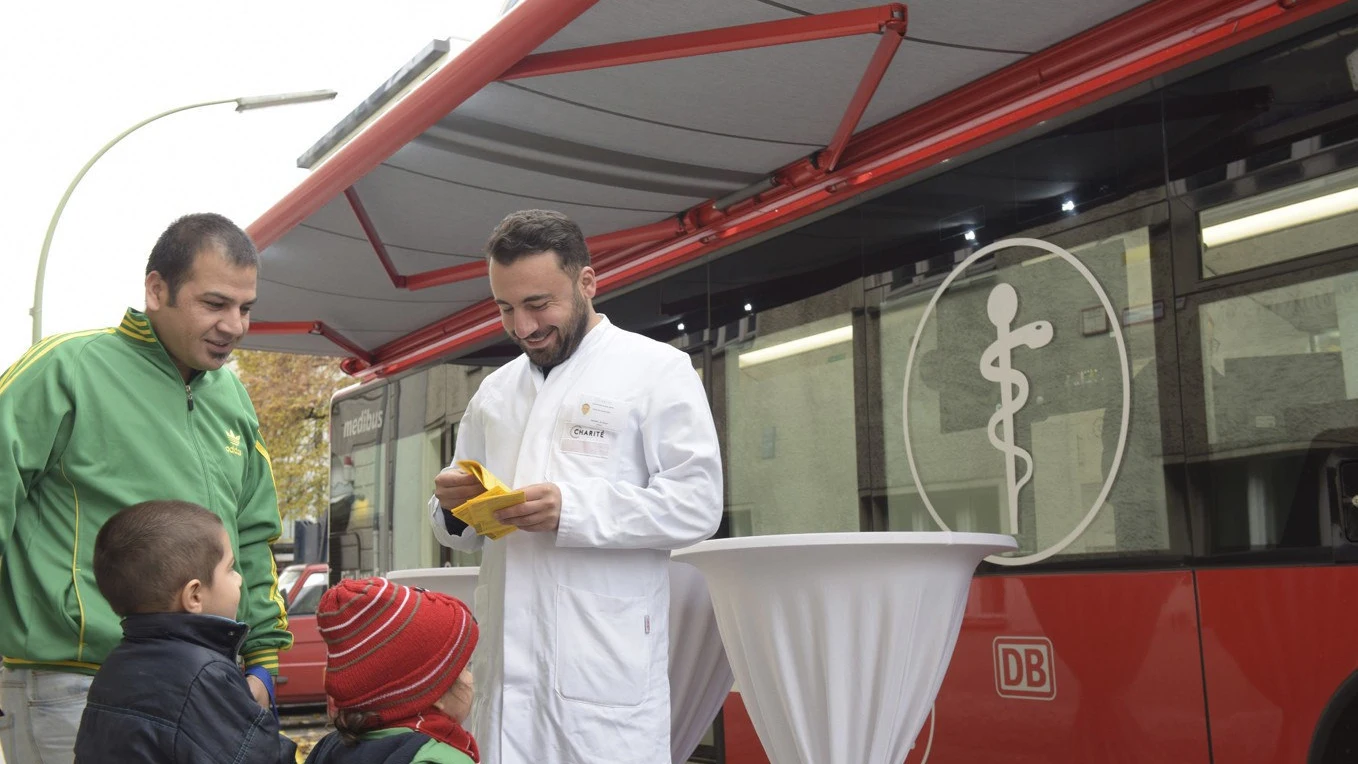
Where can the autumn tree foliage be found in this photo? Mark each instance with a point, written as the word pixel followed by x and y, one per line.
pixel 292 394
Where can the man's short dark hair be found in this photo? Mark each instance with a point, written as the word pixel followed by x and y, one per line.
pixel 146 553
pixel 530 232
pixel 175 250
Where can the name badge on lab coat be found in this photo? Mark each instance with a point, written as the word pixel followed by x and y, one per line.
pixel 599 413
pixel 592 427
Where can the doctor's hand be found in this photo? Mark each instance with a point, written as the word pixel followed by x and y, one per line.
pixel 540 510
pixel 453 487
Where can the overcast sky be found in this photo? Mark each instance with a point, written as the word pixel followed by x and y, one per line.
pixel 75 74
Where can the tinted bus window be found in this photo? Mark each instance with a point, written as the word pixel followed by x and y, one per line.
pixel 357 483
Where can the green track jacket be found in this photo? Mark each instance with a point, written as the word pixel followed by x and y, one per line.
pixel 92 422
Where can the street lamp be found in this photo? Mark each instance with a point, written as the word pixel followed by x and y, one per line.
pixel 245 103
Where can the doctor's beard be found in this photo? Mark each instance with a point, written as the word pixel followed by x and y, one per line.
pixel 568 336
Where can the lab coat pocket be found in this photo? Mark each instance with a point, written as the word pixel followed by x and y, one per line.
pixel 603 647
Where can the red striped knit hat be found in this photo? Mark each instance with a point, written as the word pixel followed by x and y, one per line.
pixel 393 650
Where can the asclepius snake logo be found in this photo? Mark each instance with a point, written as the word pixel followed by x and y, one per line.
pixel 996 365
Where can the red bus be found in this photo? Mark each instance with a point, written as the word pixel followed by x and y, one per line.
pixel 1086 274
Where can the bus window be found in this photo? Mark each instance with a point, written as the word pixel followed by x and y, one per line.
pixel 1279 391
pixel 783 375
pixel 357 483
pixel 790 404
pixel 417 459
pixel 1298 220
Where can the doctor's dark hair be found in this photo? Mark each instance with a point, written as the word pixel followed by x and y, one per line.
pixel 145 554
pixel 530 232
pixel 179 245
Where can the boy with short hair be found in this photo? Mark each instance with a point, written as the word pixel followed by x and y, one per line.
pixel 172 691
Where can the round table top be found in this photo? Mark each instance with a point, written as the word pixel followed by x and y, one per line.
pixel 396 575
pixel 852 539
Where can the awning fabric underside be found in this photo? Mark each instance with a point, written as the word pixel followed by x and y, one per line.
pixel 639 152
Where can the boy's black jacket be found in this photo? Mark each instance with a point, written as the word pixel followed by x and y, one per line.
pixel 171 692
pixel 397 749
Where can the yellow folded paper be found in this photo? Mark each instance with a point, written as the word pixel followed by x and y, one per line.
pixel 479 512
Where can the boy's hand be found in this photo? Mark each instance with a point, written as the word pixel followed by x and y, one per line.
pixel 453 487
pixel 540 510
pixel 258 690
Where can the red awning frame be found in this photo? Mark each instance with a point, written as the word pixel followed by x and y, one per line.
pixel 1157 37
pixel 313 327
pixel 887 20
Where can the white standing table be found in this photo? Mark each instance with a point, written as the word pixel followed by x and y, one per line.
pixel 456 582
pixel 839 641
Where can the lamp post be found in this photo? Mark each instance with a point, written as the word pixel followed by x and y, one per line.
pixel 245 103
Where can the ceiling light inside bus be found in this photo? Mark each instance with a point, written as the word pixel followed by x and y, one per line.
pixel 681 327
pixel 969 236
pixel 796 347
pixel 1281 218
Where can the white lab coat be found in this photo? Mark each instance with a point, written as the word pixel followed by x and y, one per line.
pixel 572 663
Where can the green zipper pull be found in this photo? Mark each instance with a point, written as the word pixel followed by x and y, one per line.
pixel 189 390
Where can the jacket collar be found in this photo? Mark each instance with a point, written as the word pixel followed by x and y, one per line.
pixel 136 330
pixel 593 340
pixel 222 635
pixel 593 337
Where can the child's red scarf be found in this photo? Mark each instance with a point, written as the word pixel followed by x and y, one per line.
pixel 442 728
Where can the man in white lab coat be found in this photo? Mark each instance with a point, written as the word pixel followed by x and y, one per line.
pixel 610 437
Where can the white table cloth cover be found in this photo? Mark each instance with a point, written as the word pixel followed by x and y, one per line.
pixel 457 582
pixel 839 642
pixel 700 675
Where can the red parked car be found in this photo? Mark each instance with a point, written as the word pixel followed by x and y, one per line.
pixel 301 670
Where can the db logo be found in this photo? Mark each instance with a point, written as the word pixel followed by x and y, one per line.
pixel 1024 668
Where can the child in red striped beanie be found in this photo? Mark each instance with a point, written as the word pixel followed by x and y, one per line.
pixel 396 671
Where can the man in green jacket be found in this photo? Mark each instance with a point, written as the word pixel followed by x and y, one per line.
pixel 95 421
